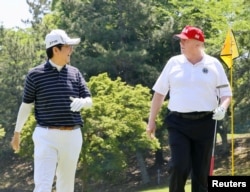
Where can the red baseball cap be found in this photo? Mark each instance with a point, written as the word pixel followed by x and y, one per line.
pixel 190 32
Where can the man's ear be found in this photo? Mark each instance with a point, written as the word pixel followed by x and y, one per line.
pixel 55 50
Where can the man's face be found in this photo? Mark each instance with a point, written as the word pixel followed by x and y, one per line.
pixel 188 45
pixel 62 57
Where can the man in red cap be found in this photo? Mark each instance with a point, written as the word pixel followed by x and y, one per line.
pixel 195 82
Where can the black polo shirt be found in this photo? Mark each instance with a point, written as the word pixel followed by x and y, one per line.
pixel 50 90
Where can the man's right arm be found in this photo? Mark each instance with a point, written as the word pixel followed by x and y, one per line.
pixel 156 104
pixel 23 114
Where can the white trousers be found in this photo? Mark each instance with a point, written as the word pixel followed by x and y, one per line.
pixel 56 152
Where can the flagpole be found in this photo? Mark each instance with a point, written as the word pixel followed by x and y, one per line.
pixel 232 118
pixel 228 53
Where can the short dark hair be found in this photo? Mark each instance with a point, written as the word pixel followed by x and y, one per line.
pixel 49 51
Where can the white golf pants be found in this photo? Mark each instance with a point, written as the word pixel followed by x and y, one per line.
pixel 56 152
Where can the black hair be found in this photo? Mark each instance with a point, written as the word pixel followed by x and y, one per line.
pixel 49 51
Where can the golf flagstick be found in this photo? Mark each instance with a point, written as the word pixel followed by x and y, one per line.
pixel 214 141
pixel 212 157
pixel 215 132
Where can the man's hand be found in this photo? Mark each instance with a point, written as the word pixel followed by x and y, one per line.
pixel 151 130
pixel 78 103
pixel 15 142
pixel 219 113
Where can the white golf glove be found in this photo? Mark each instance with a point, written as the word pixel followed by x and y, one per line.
pixel 78 103
pixel 219 113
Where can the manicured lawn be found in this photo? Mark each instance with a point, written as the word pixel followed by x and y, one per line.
pixel 234 136
pixel 165 189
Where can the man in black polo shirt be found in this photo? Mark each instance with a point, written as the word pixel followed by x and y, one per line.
pixel 59 92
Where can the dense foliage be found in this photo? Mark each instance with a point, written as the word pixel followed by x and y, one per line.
pixel 124 46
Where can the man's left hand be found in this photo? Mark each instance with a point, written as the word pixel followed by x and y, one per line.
pixel 78 103
pixel 219 113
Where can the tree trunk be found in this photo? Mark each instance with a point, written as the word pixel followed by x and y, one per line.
pixel 142 167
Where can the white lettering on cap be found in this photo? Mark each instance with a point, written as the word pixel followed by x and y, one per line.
pixel 197 36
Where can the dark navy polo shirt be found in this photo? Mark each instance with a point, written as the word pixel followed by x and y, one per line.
pixel 50 90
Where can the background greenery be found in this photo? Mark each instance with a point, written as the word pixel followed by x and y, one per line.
pixel 125 45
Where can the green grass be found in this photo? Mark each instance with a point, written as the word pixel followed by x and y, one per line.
pixel 234 136
pixel 165 189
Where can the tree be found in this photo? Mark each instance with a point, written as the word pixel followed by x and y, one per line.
pixel 241 75
pixel 17 55
pixel 117 37
pixel 127 39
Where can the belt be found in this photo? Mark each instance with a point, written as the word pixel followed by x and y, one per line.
pixel 192 115
pixel 67 128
